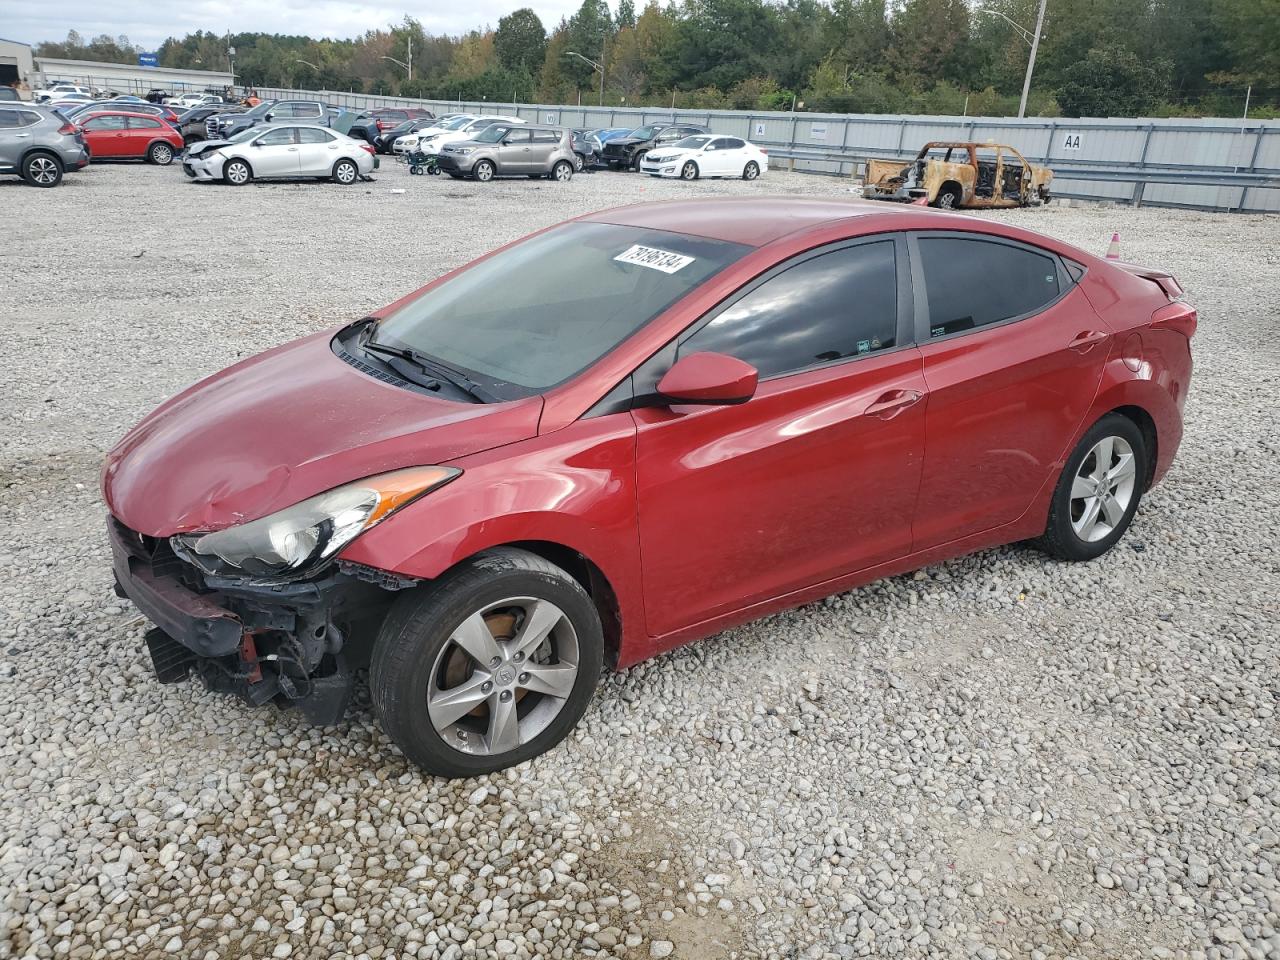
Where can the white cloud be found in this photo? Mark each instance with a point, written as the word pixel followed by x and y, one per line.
pixel 148 24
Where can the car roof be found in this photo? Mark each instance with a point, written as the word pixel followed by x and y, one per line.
pixel 751 221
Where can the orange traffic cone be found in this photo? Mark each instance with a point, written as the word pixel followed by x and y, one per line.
pixel 1113 249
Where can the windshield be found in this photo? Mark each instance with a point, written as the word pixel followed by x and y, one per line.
pixel 261 108
pixel 245 134
pixel 691 143
pixel 536 314
pixel 456 122
pixel 643 133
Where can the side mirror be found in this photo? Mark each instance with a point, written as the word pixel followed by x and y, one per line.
pixel 713 379
pixel 269 117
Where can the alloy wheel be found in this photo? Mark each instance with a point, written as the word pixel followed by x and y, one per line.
pixel 503 677
pixel 161 154
pixel 43 171
pixel 563 172
pixel 1103 489
pixel 751 172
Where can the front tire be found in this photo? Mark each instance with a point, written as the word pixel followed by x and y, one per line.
pixel 488 666
pixel 42 170
pixel 237 173
pixel 638 159
pixel 689 171
pixel 161 154
pixel 346 172
pixel 1098 492
pixel 483 171
pixel 948 199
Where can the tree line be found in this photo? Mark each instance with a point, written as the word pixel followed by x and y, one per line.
pixel 1095 58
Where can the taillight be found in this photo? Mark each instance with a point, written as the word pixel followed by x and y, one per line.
pixel 67 128
pixel 367 148
pixel 1179 317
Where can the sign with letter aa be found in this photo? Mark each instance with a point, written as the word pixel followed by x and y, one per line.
pixel 1072 141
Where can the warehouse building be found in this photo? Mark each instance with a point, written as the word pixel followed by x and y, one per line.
pixel 16 65
pixel 129 77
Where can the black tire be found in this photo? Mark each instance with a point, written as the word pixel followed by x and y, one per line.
pixel 689 171
pixel 346 172
pixel 751 171
pixel 161 154
pixel 638 159
pixel 418 629
pixel 579 162
pixel 562 172
pixel 1060 538
pixel 41 169
pixel 483 170
pixel 948 198
pixel 237 172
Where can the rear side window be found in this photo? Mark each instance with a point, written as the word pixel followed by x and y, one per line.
pixel 143 123
pixel 9 119
pixel 829 307
pixel 546 136
pixel 974 283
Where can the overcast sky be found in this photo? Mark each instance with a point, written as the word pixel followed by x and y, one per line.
pixel 148 23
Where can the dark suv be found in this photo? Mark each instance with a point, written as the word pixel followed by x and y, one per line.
pixel 628 151
pixel 221 126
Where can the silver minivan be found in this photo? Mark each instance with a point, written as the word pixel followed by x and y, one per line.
pixel 38 144
pixel 511 151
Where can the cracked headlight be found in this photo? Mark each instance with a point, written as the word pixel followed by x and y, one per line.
pixel 299 540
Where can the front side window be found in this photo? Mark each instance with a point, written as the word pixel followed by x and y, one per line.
pixel 540 312
pixel 105 123
pixel 974 283
pixel 692 143
pixel 732 143
pixel 280 137
pixel 830 307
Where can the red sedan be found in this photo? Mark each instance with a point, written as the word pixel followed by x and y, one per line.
pixel 628 431
pixel 121 135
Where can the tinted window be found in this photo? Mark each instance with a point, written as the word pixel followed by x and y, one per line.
pixel 516 136
pixel 545 136
pixel 539 312
pixel 732 143
pixel 143 123
pixel 105 123
pixel 278 137
pixel 972 283
pixel 8 118
pixel 314 135
pixel 27 117
pixel 835 305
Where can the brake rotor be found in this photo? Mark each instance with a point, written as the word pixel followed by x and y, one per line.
pixel 458 667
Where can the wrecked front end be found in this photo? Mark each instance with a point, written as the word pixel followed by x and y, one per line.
pixel 292 644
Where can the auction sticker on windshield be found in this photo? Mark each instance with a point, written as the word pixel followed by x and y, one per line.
pixel 654 258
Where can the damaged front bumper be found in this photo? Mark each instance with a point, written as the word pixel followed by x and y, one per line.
pixel 293 644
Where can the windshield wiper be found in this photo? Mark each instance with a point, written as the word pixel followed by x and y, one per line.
pixel 434 368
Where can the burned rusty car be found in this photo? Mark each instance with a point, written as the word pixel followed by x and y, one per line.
pixel 955 175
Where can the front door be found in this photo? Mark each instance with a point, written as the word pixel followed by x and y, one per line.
pixel 515 152
pixel 814 477
pixel 107 137
pixel 275 153
pixel 1013 355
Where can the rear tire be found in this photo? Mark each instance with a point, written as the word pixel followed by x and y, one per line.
pixel 751 171
pixel 42 170
pixel 346 172
pixel 1098 492
pixel 425 652
pixel 161 154
pixel 562 171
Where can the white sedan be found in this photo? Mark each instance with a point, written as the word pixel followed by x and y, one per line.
pixel 280 150
pixel 429 142
pixel 410 141
pixel 706 155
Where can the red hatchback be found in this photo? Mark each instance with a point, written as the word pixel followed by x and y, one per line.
pixel 121 135
pixel 628 431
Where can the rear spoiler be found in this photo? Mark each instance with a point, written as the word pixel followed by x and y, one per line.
pixel 1165 281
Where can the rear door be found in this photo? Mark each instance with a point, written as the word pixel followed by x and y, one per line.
pixel 318 151
pixel 107 136
pixel 815 476
pixel 543 144
pixel 275 153
pixel 1013 355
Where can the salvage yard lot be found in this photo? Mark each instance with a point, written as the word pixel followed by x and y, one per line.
pixel 998 755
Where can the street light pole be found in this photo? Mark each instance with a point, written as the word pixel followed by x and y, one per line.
pixel 408 66
pixel 1031 61
pixel 594 66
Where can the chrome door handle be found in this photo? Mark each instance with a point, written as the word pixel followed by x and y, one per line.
pixel 1085 339
pixel 892 403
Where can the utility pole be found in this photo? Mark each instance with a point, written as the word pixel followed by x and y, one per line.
pixel 1031 61
pixel 411 53
pixel 604 43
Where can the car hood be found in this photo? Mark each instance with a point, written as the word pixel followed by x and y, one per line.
pixel 204 146
pixel 284 426
pixel 625 141
pixel 670 152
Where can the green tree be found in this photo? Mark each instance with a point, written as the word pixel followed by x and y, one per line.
pixel 1113 82
pixel 520 40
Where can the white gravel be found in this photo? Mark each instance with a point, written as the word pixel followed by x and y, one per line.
pixel 997 757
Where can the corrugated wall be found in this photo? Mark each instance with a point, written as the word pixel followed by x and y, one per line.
pixel 1214 164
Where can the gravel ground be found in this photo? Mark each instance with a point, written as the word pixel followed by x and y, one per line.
pixel 1001 756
